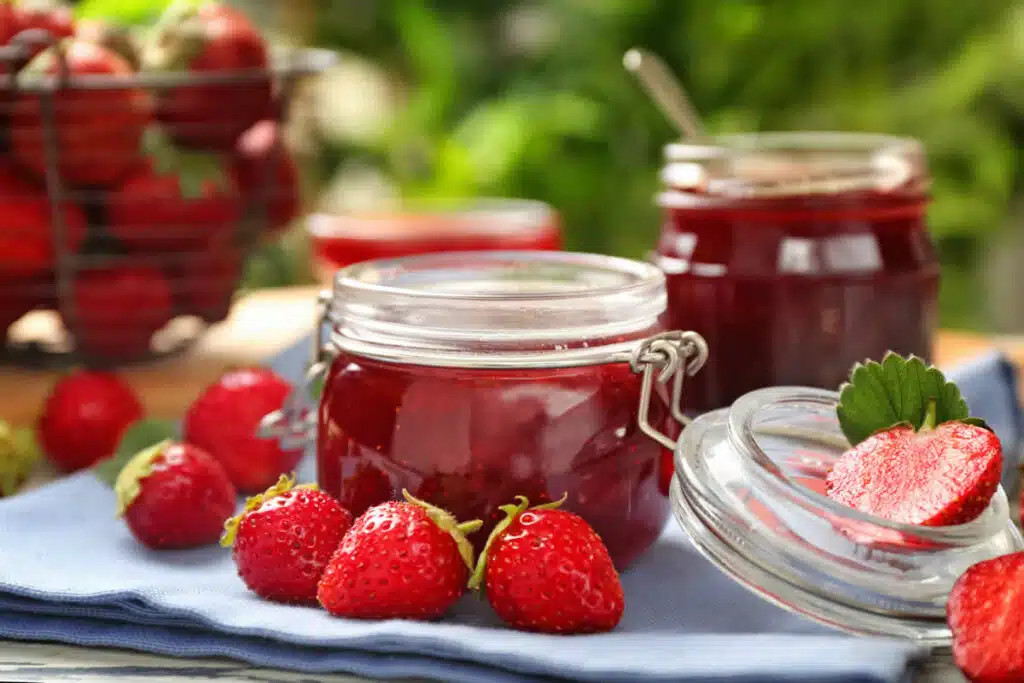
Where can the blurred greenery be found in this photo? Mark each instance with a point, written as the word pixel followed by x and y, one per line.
pixel 549 113
pixel 521 98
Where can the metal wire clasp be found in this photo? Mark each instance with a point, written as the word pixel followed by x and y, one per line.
pixel 294 425
pixel 673 355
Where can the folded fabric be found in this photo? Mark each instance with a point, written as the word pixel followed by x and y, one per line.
pixel 70 572
pixel 80 578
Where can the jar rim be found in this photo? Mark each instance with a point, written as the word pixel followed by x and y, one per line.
pixel 794 164
pixel 473 216
pixel 366 276
pixel 495 308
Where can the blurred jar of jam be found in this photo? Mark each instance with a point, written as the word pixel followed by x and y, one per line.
pixel 424 227
pixel 796 255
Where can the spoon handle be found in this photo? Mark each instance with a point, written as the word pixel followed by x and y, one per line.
pixel 665 90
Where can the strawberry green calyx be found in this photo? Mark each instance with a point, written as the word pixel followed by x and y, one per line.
pixel 284 484
pixel 511 513
pixel 19 454
pixel 176 38
pixel 447 522
pixel 192 169
pixel 129 480
pixel 44 62
pixel 898 392
pixel 138 436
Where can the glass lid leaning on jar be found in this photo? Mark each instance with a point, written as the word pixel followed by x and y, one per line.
pixel 796 255
pixel 470 378
pixel 749 490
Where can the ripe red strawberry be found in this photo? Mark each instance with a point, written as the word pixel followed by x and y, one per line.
pixel 937 476
pixel 54 16
pixel 174 201
pixel 98 130
pixel 10 22
pixel 28 242
pixel 284 539
pixel 209 38
pixel 400 560
pixel 118 309
pixel 174 495
pixel 84 417
pixel 984 614
pixel 546 570
pixel 224 419
pixel 205 280
pixel 112 36
pixel 10 26
pixel 267 173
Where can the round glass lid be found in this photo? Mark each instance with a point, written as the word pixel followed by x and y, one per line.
pixel 749 491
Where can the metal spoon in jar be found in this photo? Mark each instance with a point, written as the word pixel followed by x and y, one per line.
pixel 755 175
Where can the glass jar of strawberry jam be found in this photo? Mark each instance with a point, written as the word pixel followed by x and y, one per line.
pixel 796 255
pixel 471 378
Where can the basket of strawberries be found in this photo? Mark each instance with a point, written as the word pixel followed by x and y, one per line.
pixel 137 172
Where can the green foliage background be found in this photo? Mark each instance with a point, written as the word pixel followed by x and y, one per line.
pixel 556 118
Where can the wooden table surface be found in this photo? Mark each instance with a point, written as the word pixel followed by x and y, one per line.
pixel 261 324
pixel 266 322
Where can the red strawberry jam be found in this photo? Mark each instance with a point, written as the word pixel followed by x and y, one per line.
pixel 471 440
pixel 471 436
pixel 795 272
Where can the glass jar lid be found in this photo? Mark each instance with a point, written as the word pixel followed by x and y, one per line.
pixel 494 308
pixel 749 491
pixel 796 164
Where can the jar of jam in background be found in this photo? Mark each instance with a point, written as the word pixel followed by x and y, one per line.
pixel 472 378
pixel 407 228
pixel 796 255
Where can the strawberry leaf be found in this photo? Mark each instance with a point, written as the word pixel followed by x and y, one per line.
pixel 139 436
pixel 192 169
pixel 898 390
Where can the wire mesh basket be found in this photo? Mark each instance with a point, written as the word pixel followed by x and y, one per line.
pixel 130 201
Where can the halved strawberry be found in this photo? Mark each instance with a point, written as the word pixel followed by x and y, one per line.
pixel 918 458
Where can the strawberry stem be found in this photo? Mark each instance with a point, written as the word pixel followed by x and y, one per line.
pixel 175 39
pixel 192 169
pixel 930 416
pixel 476 580
pixel 448 523
pixel 285 483
pixel 129 480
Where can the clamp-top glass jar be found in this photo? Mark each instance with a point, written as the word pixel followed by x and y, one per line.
pixel 796 255
pixel 471 378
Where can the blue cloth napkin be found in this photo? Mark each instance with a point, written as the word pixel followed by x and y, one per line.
pixel 70 572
